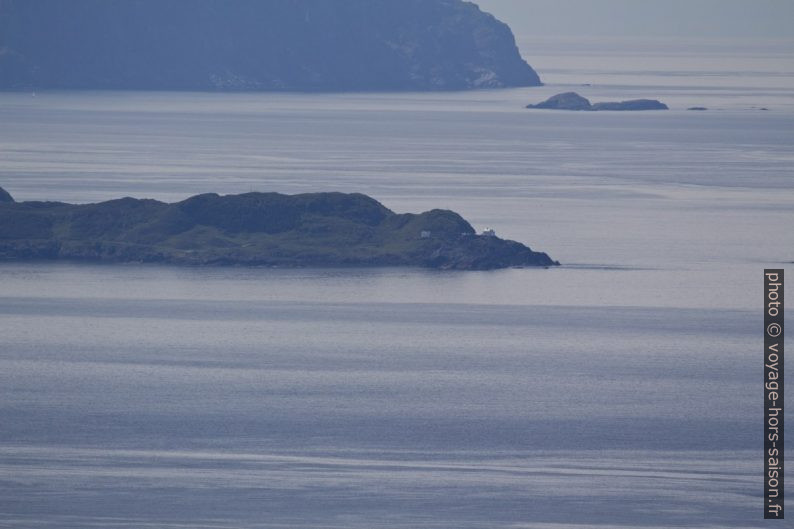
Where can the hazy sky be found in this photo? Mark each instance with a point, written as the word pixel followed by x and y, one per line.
pixel 687 18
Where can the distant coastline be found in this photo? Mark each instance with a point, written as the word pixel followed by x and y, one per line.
pixel 296 45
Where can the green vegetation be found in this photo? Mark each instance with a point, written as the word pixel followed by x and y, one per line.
pixel 316 229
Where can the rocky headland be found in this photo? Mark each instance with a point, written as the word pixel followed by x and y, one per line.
pixel 264 229
pixel 254 45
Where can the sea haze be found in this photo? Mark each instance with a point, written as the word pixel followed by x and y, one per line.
pixel 621 389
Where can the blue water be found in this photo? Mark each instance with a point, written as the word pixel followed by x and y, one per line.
pixel 619 390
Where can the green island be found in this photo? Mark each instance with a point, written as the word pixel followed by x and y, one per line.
pixel 257 229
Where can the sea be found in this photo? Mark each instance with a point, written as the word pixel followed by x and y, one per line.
pixel 622 389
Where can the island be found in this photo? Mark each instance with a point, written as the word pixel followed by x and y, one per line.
pixel 254 45
pixel 573 101
pixel 263 229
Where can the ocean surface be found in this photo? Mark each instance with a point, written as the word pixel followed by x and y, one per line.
pixel 622 389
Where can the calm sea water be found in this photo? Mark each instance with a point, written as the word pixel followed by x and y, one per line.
pixel 620 390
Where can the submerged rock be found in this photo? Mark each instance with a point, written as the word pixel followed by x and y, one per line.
pixel 271 229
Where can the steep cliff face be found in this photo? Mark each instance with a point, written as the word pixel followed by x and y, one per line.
pixel 5 196
pixel 302 45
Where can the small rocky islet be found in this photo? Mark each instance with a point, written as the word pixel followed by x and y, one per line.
pixel 574 101
pixel 257 229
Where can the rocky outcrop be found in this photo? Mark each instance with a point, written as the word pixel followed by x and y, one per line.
pixel 631 105
pixel 5 196
pixel 316 229
pixel 573 101
pixel 565 101
pixel 285 45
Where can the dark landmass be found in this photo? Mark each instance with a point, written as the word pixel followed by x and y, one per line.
pixel 631 105
pixel 5 196
pixel 566 101
pixel 276 45
pixel 701 109
pixel 269 229
pixel 573 101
